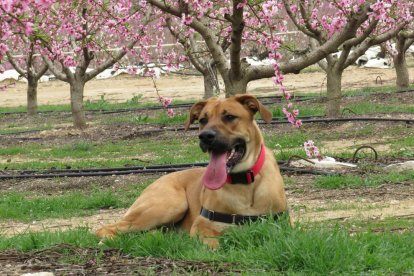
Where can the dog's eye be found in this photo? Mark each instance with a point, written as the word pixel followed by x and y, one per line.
pixel 203 121
pixel 229 118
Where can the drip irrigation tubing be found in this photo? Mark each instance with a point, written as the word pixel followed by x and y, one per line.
pixel 275 121
pixel 134 170
pixel 267 100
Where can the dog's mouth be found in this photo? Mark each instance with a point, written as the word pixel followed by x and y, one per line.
pixel 235 156
pixel 221 163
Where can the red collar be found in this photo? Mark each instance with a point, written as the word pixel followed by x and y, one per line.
pixel 247 177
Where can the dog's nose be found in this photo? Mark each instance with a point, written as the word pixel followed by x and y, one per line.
pixel 207 136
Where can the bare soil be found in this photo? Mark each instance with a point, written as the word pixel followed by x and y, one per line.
pixel 92 261
pixel 122 88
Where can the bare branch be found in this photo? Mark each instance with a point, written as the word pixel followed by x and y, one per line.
pixel 363 47
pixel 323 64
pixel 363 36
pixel 19 70
pixel 41 72
pixel 58 73
pixel 109 62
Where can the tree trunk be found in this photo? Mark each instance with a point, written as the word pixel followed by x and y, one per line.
pixel 334 93
pixel 76 102
pixel 234 87
pixel 400 64
pixel 208 86
pixel 31 95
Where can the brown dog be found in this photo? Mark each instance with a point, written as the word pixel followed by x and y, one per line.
pixel 241 183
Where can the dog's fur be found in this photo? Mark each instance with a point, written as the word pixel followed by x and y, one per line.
pixel 177 198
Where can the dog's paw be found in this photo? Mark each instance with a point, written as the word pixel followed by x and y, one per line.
pixel 105 233
pixel 212 243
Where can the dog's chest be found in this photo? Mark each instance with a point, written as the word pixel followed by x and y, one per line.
pixel 235 199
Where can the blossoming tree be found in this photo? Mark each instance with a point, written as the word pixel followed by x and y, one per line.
pixel 238 22
pixel 28 64
pixel 75 35
pixel 403 40
pixel 384 20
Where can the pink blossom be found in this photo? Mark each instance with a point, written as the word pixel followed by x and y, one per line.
pixel 186 19
pixel 312 150
pixel 170 112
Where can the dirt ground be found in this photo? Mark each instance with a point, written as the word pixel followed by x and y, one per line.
pixel 123 88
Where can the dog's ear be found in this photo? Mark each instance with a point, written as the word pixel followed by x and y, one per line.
pixel 253 105
pixel 194 113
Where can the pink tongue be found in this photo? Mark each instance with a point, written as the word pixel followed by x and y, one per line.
pixel 215 176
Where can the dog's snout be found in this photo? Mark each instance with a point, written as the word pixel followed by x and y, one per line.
pixel 207 136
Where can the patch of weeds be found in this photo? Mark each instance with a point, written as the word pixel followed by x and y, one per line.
pixel 141 118
pixel 369 107
pixel 304 111
pixel 12 150
pixel 286 140
pixel 135 100
pixel 288 181
pixel 316 250
pixel 20 206
pixel 100 104
pixel 404 142
pixel 305 249
pixel 80 236
pixel 354 181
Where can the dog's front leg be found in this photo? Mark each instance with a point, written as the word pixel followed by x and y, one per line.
pixel 207 231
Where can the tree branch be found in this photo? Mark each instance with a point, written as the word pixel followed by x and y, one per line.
pixel 237 25
pixel 330 46
pixel 310 33
pixel 188 45
pixel 363 47
pixel 203 29
pixel 41 72
pixel 109 62
pixel 19 70
pixel 357 40
pixel 58 74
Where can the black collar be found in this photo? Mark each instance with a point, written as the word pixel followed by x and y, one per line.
pixel 234 218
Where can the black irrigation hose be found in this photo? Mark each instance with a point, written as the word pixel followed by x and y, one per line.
pixel 135 170
pixel 154 167
pixel 330 120
pixel 275 121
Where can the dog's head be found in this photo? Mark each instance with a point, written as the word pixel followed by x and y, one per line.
pixel 229 134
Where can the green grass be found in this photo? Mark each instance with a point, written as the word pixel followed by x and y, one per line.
pixel 23 207
pixel 404 142
pixel 141 151
pixel 16 129
pixel 355 181
pixel 160 118
pixel 369 107
pixel 372 90
pixel 271 247
pixel 101 104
